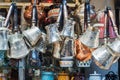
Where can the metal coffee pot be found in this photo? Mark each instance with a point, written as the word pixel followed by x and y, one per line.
pixel 33 35
pixel 5 31
pixel 18 48
pixel 53 34
pixel 95 76
pixel 103 57
pixel 90 37
pixel 67 53
pixel 68 48
pixel 68 29
pixel 115 45
pixel 41 45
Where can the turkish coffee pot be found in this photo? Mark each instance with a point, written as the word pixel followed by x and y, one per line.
pixel 4 31
pixel 90 37
pixel 40 11
pixel 115 45
pixel 33 34
pixel 103 56
pixel 18 47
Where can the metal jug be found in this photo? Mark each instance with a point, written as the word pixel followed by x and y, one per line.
pixel 90 37
pixel 115 45
pixel 95 76
pixel 53 34
pixel 68 29
pixel 67 53
pixel 33 35
pixel 41 45
pixel 18 48
pixel 103 57
pixel 5 31
pixel 68 48
pixel 63 76
pixel 56 50
pixel 45 75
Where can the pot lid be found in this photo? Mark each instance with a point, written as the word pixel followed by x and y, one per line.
pixel 95 74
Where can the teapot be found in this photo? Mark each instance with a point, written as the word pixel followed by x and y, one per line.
pixel 95 76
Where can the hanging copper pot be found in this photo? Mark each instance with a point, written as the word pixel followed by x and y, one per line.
pixel 40 11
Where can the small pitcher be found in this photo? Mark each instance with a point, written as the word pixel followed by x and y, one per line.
pixel 4 31
pixel 33 35
pixel 18 48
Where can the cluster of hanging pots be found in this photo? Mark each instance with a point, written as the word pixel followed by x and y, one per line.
pixel 78 39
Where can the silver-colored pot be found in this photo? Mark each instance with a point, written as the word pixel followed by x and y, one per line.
pixel 90 37
pixel 53 34
pixel 33 35
pixel 115 46
pixel 18 48
pixel 68 29
pixel 103 57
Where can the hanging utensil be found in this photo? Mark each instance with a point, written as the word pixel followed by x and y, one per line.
pixel 53 34
pixel 90 37
pixel 18 48
pixel 103 56
pixel 33 35
pixel 68 27
pixel 67 53
pixel 4 31
pixel 115 45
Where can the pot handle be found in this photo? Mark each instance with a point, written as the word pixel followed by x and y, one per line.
pixel 9 14
pixel 15 19
pixel 34 14
pixel 112 22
